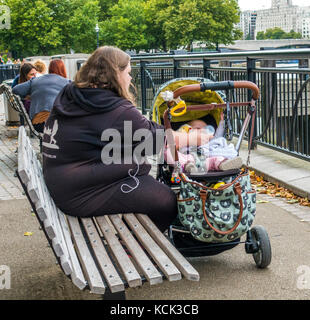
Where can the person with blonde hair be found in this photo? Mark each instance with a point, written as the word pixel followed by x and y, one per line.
pixel 41 67
pixel 43 92
pixel 80 178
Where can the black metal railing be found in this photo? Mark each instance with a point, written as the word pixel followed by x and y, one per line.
pixel 8 71
pixel 283 108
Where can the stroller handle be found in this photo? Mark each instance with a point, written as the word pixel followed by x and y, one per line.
pixel 222 85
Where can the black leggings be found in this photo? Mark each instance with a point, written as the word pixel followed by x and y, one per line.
pixel 151 197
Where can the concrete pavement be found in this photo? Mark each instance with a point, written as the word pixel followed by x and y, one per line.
pixel 230 275
pixel 277 167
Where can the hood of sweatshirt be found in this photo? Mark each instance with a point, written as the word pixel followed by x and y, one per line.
pixel 75 102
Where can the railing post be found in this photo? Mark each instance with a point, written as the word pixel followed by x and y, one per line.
pixel 251 64
pixel 176 68
pixel 303 63
pixel 206 66
pixel 143 86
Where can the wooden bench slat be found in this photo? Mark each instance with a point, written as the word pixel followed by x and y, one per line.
pixel 21 161
pixel 66 265
pixel 77 275
pixel 68 258
pixel 180 261
pixel 142 260
pixel 110 274
pixel 91 272
pixel 129 271
pixel 158 255
pixel 48 210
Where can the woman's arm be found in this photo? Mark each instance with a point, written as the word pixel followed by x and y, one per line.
pixel 23 89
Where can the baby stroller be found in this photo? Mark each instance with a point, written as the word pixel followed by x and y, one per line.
pixel 178 102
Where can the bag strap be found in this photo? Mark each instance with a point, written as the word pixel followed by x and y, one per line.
pixel 203 197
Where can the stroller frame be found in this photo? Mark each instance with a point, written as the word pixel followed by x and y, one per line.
pixel 257 241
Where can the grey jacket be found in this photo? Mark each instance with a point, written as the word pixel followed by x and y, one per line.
pixel 42 90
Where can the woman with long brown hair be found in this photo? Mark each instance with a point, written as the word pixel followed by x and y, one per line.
pixel 87 172
pixel 27 71
pixel 43 91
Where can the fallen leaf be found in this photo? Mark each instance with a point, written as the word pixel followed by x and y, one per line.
pixel 264 187
pixel 262 201
pixel 262 191
pixel 292 201
pixel 28 233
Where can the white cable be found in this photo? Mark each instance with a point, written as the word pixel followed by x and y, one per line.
pixel 134 178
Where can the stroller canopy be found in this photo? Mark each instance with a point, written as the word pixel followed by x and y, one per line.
pixel 194 98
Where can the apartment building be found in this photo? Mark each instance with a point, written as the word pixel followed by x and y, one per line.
pixel 282 14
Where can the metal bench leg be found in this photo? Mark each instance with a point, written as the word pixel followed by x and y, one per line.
pixel 114 296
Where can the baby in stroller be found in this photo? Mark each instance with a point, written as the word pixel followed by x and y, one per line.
pixel 216 155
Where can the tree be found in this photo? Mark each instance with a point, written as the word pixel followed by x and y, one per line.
pixel 277 33
pixel 51 26
pixel 81 25
pixel 260 35
pixel 33 29
pixel 155 16
pixel 182 22
pixel 104 6
pixel 126 27
pixel 293 35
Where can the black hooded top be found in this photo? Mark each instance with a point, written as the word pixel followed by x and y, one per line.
pixel 74 164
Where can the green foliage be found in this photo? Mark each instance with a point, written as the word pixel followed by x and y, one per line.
pixel 277 33
pixel 33 28
pixel 126 27
pixel 175 23
pixel 81 25
pixel 46 27
pixel 104 6
pixel 260 35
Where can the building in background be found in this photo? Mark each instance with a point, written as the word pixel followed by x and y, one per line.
pixel 306 26
pixel 282 14
pixel 247 24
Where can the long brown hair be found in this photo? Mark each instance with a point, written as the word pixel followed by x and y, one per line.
pixel 24 70
pixel 101 70
pixel 57 66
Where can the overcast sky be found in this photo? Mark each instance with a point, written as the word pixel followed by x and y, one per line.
pixel 265 4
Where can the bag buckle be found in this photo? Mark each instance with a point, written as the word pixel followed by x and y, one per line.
pixel 237 188
pixel 203 194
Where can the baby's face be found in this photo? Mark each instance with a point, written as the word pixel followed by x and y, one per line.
pixel 197 124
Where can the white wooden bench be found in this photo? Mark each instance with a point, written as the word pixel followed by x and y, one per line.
pixel 105 254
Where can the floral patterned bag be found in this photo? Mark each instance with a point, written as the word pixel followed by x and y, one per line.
pixel 217 215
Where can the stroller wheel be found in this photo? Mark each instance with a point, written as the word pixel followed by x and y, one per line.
pixel 262 257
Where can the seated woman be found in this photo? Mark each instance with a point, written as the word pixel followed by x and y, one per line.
pixel 27 71
pixel 82 176
pixel 43 92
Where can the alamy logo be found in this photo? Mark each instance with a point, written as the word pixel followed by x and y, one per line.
pixel 5 17
pixel 303 281
pixel 5 277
